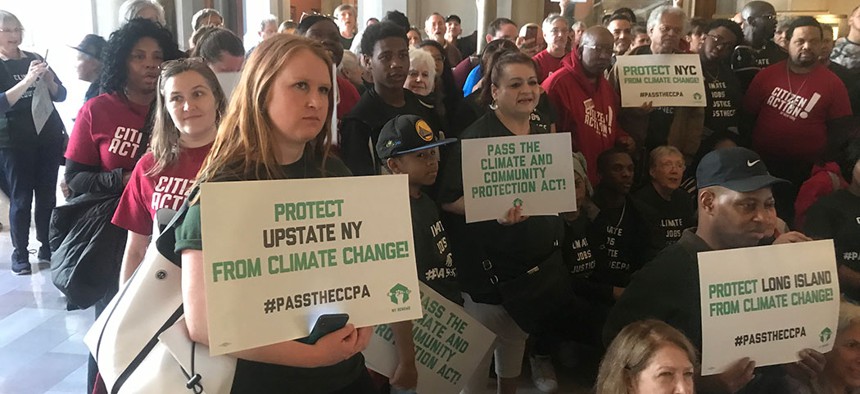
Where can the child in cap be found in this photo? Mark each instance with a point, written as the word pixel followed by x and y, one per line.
pixel 407 145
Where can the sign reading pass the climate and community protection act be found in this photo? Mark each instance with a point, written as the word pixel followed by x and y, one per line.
pixel 533 171
pixel 277 254
pixel 664 80
pixel 449 345
pixel 767 303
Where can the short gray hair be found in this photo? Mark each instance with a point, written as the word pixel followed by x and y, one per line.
pixel 420 57
pixel 350 60
pixel 267 20
pixel 6 16
pixel 130 9
pixel 849 315
pixel 550 19
pixel 662 10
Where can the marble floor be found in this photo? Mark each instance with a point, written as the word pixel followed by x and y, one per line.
pixel 41 344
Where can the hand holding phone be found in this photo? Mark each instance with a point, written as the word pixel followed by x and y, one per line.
pixel 326 324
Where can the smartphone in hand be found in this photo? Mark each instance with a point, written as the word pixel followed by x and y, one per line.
pixel 326 324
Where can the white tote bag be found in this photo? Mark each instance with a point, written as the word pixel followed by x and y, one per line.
pixel 125 339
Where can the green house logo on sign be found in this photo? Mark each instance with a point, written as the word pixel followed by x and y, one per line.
pixel 825 334
pixel 399 294
pixel 697 96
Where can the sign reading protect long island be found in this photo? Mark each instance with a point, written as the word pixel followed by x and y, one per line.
pixel 767 303
pixel 532 171
pixel 278 254
pixel 663 80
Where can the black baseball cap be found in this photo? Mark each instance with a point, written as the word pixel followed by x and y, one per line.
pixel 406 134
pixel 453 17
pixel 92 46
pixel 737 168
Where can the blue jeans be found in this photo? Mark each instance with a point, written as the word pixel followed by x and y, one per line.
pixel 25 173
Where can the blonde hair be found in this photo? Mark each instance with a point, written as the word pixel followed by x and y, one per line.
pixel 165 136
pixel 244 146
pixel 663 150
pixel 631 352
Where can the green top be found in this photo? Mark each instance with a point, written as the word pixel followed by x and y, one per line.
pixel 256 377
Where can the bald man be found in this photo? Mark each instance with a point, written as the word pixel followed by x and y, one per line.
pixel 435 29
pixel 585 101
pixel 758 50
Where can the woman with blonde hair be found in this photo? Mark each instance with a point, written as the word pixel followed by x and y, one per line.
pixel 276 127
pixel 189 105
pixel 647 357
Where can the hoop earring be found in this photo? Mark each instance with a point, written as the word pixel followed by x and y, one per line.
pixel 493 105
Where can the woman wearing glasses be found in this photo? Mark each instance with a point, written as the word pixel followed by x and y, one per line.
pixel 189 105
pixel 277 127
pixel 109 136
pixel 30 153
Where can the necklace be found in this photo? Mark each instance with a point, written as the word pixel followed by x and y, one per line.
pixel 714 78
pixel 788 77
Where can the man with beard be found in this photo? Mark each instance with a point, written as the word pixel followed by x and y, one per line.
pixel 386 52
pixel 758 50
pixel 793 101
pixel 736 210
pixel 585 102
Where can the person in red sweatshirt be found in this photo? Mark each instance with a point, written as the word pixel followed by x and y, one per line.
pixel 585 101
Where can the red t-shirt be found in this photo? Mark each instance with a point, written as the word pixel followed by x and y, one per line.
pixel 547 64
pixel 144 195
pixel 107 133
pixel 791 122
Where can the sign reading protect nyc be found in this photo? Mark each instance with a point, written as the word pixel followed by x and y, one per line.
pixel 277 254
pixel 767 303
pixel 664 80
pixel 533 171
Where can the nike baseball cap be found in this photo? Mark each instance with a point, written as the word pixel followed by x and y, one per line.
pixel 406 134
pixel 738 169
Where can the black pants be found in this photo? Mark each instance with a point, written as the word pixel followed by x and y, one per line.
pixel 29 172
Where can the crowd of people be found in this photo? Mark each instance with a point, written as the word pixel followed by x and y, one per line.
pixel 773 157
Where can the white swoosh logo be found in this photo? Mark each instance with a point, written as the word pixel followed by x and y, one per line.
pixel 752 163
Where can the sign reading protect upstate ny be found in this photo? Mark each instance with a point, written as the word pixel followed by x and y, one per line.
pixel 533 171
pixel 277 254
pixel 449 345
pixel 665 80
pixel 767 303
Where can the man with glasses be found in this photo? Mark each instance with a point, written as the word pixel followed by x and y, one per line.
pixel 758 50
pixel 585 101
pixel 722 88
pixel 555 31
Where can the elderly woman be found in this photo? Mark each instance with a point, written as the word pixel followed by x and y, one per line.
pixel 146 9
pixel 422 73
pixel 648 356
pixel 30 153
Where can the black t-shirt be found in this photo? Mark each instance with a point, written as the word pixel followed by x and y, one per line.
pixel 346 42
pixel 580 256
pixel 257 377
pixel 513 249
pixel 723 93
pixel 622 240
pixel 432 252
pixel 837 216
pixel 748 61
pixel 360 129
pixel 666 219
pixel 471 109
pixel 20 130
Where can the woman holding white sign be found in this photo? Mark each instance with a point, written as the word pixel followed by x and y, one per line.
pixel 277 127
pixel 492 255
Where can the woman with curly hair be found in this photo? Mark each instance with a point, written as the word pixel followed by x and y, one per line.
pixel 109 137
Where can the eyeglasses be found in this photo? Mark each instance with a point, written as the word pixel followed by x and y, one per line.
pixel 770 17
pixel 718 40
pixel 601 49
pixel 15 30
pixel 666 29
pixel 311 13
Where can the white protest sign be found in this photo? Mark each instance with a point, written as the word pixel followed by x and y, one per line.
pixel 449 344
pixel 42 107
pixel 767 303
pixel 535 171
pixel 665 80
pixel 277 254
pixel 228 82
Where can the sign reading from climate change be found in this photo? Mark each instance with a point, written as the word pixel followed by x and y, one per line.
pixel 767 303
pixel 533 171
pixel 664 80
pixel 449 344
pixel 277 254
